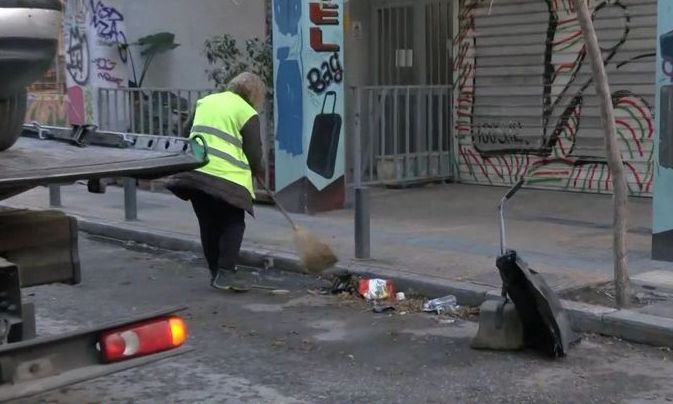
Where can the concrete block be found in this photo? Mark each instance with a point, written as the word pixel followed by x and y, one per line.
pixel 498 331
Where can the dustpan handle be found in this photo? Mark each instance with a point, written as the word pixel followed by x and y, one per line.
pixel 501 210
pixel 515 188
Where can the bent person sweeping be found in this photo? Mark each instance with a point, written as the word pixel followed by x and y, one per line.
pixel 222 191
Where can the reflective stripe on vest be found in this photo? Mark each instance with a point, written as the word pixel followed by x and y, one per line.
pixel 219 119
pixel 229 158
pixel 216 132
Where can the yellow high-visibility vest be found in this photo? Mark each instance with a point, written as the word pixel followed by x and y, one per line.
pixel 219 119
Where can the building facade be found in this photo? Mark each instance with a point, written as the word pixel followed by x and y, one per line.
pixel 92 53
pixel 521 85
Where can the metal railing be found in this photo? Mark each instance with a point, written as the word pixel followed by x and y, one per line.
pixel 166 112
pixel 151 111
pixel 402 134
pixel 161 112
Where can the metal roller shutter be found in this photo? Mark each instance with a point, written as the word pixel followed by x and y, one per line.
pixel 525 100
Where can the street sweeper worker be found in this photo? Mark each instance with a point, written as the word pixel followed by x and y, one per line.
pixel 222 190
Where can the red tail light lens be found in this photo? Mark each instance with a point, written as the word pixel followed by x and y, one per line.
pixel 143 339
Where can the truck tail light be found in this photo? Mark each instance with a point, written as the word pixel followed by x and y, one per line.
pixel 141 339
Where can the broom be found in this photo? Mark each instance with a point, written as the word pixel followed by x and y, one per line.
pixel 316 256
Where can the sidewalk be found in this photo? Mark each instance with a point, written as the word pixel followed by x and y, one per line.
pixel 447 232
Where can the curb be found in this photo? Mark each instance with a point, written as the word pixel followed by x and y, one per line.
pixel 625 324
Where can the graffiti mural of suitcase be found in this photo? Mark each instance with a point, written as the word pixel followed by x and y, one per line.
pixel 322 152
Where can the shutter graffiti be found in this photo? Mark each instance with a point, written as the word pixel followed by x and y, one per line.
pixel 525 102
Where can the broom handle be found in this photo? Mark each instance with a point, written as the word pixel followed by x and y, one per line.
pixel 278 205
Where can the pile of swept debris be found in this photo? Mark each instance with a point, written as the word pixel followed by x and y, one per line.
pixel 381 296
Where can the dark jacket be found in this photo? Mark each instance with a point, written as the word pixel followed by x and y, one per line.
pixel 186 185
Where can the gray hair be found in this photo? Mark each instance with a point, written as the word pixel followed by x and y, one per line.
pixel 250 87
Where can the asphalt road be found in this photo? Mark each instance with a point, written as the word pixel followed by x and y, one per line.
pixel 302 347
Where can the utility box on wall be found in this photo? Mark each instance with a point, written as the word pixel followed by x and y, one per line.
pixel 666 127
pixel 662 211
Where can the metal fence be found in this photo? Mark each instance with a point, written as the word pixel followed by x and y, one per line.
pixel 166 112
pixel 402 134
pixel 149 111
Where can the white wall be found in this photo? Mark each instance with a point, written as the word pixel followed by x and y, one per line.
pixel 192 22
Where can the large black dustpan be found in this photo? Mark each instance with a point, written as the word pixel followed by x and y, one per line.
pixel 545 324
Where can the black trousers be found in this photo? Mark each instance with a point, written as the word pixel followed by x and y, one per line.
pixel 222 226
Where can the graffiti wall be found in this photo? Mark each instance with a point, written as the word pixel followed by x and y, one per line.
pixel 525 99
pixel 46 100
pixel 662 214
pixel 309 105
pixel 47 109
pixel 96 54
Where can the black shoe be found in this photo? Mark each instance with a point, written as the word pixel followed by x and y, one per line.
pixel 226 271
pixel 221 280
pixel 227 280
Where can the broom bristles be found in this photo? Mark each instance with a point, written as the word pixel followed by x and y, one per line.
pixel 316 256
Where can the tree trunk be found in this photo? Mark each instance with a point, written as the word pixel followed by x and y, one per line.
pixel 615 164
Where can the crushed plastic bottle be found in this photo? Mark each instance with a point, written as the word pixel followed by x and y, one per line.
pixel 441 304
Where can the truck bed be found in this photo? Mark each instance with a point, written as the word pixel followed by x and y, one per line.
pixel 52 156
pixel 40 248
